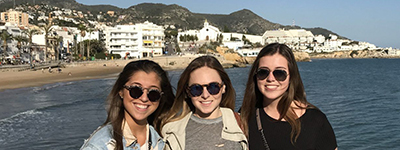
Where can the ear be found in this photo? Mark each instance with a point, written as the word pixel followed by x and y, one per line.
pixel 223 89
pixel 121 94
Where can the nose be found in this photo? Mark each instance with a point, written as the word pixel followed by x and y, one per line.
pixel 144 97
pixel 205 93
pixel 271 77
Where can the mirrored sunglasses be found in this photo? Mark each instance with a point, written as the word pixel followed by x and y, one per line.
pixel 279 75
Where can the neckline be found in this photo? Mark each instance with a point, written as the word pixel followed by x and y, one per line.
pixel 263 112
pixel 205 121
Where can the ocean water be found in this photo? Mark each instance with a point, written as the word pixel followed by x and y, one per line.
pixel 361 98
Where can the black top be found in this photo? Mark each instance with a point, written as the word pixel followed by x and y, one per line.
pixel 316 132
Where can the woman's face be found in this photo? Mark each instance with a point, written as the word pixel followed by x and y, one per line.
pixel 271 87
pixel 206 104
pixel 140 108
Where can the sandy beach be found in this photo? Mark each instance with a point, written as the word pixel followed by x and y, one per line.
pixel 12 79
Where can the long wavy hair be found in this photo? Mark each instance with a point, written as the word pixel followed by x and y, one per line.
pixel 115 106
pixel 183 104
pixel 253 98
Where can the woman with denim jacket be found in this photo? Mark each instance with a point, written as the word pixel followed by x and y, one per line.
pixel 138 101
pixel 202 115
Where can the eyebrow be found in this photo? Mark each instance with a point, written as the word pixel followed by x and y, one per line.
pixel 270 69
pixel 152 86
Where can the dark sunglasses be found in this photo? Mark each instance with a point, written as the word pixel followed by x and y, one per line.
pixel 137 91
pixel 279 75
pixel 196 89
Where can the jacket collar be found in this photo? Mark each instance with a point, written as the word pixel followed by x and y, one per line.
pixel 131 139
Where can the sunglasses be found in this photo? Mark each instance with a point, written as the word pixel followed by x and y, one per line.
pixel 279 75
pixel 137 91
pixel 196 89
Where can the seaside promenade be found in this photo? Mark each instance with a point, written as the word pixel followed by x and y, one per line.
pixel 12 78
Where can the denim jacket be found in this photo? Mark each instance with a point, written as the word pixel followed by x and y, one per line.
pixel 102 139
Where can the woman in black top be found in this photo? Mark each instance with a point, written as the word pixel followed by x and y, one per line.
pixel 275 112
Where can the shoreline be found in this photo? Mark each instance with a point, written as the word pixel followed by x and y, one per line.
pixel 14 79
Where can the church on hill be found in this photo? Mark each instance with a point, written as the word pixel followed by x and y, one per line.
pixel 207 33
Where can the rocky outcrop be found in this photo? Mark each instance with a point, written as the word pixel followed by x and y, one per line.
pixel 301 56
pixel 354 54
pixel 229 55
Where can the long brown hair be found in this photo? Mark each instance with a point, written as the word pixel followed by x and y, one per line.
pixel 115 107
pixel 183 104
pixel 253 98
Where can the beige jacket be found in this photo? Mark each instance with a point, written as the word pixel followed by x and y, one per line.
pixel 174 132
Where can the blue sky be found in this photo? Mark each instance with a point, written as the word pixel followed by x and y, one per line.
pixel 374 21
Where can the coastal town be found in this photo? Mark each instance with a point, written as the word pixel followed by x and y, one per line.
pixel 23 42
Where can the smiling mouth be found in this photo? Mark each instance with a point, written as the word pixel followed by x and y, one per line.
pixel 205 102
pixel 141 106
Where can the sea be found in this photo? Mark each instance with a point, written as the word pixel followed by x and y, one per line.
pixel 360 97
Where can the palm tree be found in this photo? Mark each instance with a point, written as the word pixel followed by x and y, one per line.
pixel 5 36
pixel 21 40
pixel 56 43
pixel 47 29
pixel 30 33
pixel 83 33
pixel 90 30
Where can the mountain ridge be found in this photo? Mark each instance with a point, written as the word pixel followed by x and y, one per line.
pixel 241 21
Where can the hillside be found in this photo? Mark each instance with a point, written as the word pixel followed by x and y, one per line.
pixel 242 21
pixel 68 4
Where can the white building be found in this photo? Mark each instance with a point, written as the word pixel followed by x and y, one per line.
pixel 252 38
pixel 13 30
pixel 299 37
pixel 139 40
pixel 207 33
pixel 210 33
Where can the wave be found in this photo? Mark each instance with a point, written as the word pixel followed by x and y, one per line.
pixel 59 84
pixel 40 111
pixel 51 86
pixel 24 114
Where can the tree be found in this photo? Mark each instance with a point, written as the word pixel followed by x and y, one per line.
pixel 30 33
pixel 169 34
pixel 226 29
pixel 20 40
pixel 220 37
pixel 97 46
pixel 5 36
pixel 181 38
pixel 82 28
pixel 90 30
pixel 47 28
pixel 56 40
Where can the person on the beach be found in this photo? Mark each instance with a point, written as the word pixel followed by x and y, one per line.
pixel 275 111
pixel 202 115
pixel 138 101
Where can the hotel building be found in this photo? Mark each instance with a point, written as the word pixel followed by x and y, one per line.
pixel 135 41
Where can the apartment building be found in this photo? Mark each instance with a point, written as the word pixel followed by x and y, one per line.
pixel 135 41
pixel 15 17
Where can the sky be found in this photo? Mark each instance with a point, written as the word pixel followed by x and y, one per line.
pixel 373 21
